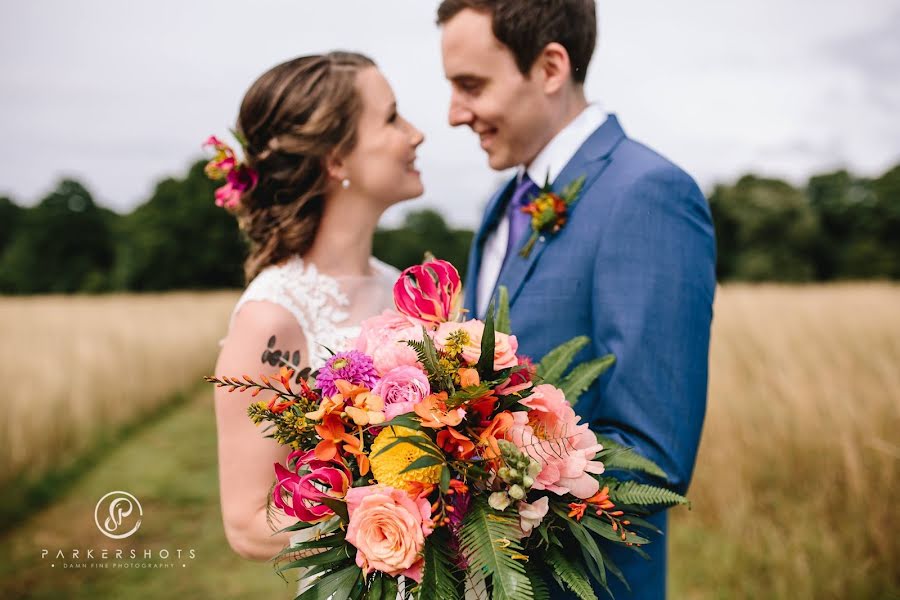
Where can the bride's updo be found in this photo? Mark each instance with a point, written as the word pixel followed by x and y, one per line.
pixel 291 119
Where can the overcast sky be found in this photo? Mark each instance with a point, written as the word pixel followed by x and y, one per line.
pixel 121 94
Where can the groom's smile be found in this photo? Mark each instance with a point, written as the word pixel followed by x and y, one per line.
pixel 490 95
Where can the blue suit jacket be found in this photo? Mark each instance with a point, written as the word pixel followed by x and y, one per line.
pixel 633 269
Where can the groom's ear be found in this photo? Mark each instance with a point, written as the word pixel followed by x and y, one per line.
pixel 553 67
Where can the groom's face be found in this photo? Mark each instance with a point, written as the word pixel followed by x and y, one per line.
pixel 507 110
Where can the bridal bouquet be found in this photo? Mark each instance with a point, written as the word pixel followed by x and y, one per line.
pixel 436 463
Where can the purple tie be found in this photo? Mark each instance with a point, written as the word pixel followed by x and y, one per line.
pixel 519 222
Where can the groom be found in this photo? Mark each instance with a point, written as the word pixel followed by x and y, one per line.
pixel 633 268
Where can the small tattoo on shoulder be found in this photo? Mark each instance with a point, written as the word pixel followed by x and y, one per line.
pixel 282 358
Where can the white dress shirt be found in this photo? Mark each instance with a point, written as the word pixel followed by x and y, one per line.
pixel 549 161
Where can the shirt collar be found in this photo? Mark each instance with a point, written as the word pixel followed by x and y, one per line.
pixel 564 145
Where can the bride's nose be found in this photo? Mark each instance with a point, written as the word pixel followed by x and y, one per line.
pixel 417 136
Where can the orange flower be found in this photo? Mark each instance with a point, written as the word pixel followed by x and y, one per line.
pixel 455 443
pixel 457 486
pixel 499 425
pixel 335 404
pixel 367 409
pixel 333 431
pixel 601 499
pixel 327 406
pixel 468 378
pixel 434 413
pixel 577 510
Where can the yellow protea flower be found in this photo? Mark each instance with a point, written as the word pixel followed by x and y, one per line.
pixel 386 466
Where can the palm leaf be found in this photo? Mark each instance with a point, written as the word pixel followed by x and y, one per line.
pixel 485 364
pixel 538 585
pixel 567 575
pixel 555 363
pixel 489 542
pixel 441 579
pixel 337 583
pixel 423 462
pixel 583 376
pixel 503 325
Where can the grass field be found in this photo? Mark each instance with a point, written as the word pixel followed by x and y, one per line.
pixel 76 369
pixel 799 467
pixel 793 495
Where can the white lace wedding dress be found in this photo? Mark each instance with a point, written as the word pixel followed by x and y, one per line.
pixel 328 309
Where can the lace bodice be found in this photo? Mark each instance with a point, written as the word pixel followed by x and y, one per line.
pixel 328 309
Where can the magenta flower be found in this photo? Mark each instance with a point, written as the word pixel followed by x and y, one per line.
pixel 319 479
pixel 224 165
pixel 428 293
pixel 238 181
pixel 352 366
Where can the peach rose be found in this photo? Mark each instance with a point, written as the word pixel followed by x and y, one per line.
pixel 388 530
pixel 505 346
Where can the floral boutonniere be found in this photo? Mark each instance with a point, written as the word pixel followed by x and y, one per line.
pixel 549 211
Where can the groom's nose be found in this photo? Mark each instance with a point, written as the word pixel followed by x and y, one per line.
pixel 459 114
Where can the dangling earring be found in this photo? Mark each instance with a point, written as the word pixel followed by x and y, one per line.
pixel 345 184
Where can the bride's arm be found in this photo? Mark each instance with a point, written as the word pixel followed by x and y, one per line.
pixel 246 456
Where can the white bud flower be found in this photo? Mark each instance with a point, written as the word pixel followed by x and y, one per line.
pixel 499 500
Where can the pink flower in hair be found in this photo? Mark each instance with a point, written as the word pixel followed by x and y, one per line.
pixel 224 165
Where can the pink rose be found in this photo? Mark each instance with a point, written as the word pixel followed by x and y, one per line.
pixel 383 337
pixel 505 346
pixel 388 530
pixel 402 388
pixel 564 448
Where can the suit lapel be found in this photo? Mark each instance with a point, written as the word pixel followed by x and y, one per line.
pixel 590 160
pixel 491 216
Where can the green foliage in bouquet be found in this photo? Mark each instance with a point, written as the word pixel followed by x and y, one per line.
pixel 471 468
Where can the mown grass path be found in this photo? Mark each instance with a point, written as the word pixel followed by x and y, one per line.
pixel 170 466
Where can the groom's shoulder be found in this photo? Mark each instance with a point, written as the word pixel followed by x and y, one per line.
pixel 637 169
pixel 637 162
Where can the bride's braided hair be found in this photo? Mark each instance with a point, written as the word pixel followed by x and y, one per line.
pixel 292 118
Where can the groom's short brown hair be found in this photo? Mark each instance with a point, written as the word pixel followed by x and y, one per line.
pixel 526 27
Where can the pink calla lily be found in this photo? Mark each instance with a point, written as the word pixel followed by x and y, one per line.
pixel 428 293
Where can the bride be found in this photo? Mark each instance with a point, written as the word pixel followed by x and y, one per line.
pixel 329 153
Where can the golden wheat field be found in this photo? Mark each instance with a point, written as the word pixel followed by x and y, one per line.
pixel 794 491
pixel 77 367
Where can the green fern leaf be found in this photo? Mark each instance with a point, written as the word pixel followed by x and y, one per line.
pixel 616 456
pixel 566 573
pixel 490 544
pixel 632 493
pixel 583 376
pixel 555 363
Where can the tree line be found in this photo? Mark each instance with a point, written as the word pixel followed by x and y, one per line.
pixel 839 226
